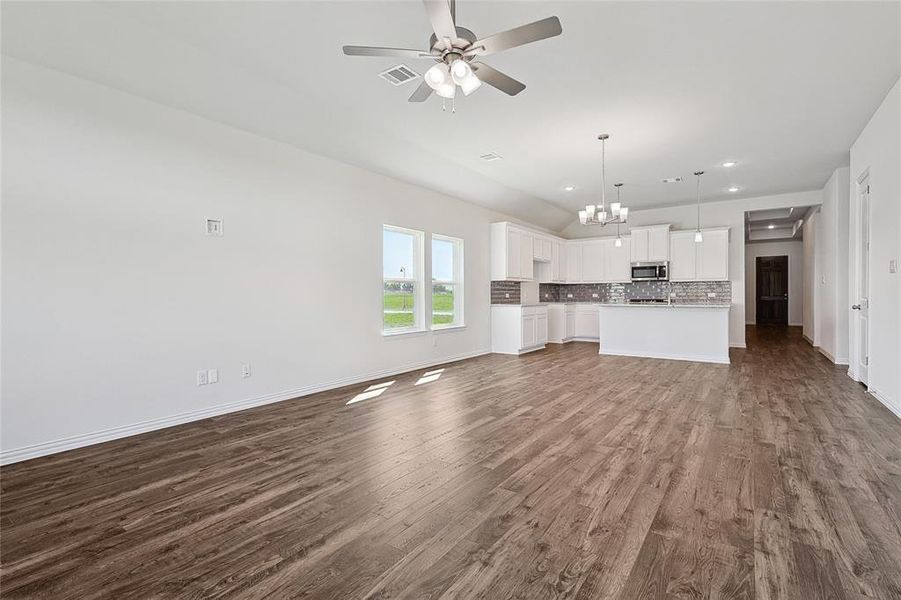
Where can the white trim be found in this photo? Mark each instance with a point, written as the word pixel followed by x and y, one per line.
pixel 796 324
pixel 15 455
pixel 523 351
pixel 885 402
pixel 808 340
pixel 690 358
pixel 832 359
pixel 742 345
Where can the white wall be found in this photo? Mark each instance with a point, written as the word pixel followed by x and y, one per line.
pixel 795 253
pixel 877 151
pixel 113 297
pixel 831 284
pixel 810 308
pixel 729 213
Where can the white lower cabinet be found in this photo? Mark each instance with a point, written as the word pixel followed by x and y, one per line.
pixel 587 325
pixel 518 329
pixel 561 323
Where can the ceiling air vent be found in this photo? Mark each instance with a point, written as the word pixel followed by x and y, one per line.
pixel 672 180
pixel 491 156
pixel 399 75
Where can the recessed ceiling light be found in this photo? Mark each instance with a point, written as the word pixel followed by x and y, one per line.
pixel 491 156
pixel 771 226
pixel 734 188
pixel 729 163
pixel 569 188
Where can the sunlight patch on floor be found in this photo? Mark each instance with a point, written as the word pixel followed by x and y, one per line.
pixel 373 391
pixel 430 376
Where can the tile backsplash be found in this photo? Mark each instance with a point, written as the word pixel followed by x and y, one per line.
pixel 505 292
pixel 685 292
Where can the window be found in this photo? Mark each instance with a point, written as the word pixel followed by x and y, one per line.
pixel 402 280
pixel 447 282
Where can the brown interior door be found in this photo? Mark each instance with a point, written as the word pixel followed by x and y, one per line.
pixel 772 290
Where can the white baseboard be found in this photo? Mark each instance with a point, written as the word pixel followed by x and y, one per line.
pixel 15 455
pixel 742 345
pixel 664 356
pixel 796 324
pixel 896 410
pixel 808 340
pixel 832 359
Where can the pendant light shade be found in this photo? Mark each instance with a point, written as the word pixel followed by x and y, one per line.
pixel 601 214
pixel 463 75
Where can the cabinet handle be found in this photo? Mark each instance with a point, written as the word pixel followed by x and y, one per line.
pixel 855 307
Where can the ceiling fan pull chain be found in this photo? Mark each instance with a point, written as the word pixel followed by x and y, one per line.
pixel 454 105
pixel 443 105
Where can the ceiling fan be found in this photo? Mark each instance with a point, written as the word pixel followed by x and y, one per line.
pixel 456 50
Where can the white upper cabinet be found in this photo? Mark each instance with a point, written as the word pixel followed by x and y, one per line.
pixel 658 243
pixel 699 261
pixel 541 249
pixel 650 244
pixel 593 261
pixel 713 256
pixel 573 262
pixel 682 256
pixel 511 253
pixel 617 261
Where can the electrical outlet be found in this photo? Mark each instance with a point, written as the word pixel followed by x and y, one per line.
pixel 245 370
pixel 711 294
pixel 593 295
pixel 202 378
pixel 507 295
pixel 212 376
pixel 569 295
pixel 893 266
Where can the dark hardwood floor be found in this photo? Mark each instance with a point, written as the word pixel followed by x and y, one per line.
pixel 559 474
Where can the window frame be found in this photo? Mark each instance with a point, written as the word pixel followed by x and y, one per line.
pixel 458 282
pixel 418 280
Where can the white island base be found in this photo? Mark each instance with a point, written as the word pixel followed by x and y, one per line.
pixel 697 332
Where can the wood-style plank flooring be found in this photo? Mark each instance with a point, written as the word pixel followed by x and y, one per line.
pixel 559 474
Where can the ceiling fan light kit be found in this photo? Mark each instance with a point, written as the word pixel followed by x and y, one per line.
pixel 456 50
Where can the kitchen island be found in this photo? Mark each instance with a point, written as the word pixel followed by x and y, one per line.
pixel 695 332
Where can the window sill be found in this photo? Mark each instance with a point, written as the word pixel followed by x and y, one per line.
pixel 404 332
pixel 448 328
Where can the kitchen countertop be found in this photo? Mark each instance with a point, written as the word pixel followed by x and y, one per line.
pixel 673 305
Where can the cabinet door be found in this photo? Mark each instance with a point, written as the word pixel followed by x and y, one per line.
pixel 526 264
pixel 570 318
pixel 561 258
pixel 617 261
pixel 657 243
pixel 528 331
pixel 713 256
pixel 593 261
pixel 555 261
pixel 586 323
pixel 514 248
pixel 546 249
pixel 640 245
pixel 574 262
pixel 682 256
pixel 541 329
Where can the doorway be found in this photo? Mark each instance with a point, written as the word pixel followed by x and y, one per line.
pixel 772 290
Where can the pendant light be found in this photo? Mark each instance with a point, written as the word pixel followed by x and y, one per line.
pixel 594 214
pixel 615 208
pixel 699 237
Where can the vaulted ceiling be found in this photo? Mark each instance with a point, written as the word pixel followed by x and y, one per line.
pixel 783 89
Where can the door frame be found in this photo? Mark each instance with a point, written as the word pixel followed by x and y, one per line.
pixel 757 287
pixel 859 187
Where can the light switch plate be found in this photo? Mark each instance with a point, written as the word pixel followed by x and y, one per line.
pixel 214 227
pixel 245 370
pixel 212 376
pixel 202 378
pixel 893 266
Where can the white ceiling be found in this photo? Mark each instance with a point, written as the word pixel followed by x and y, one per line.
pixel 783 88
pixel 779 224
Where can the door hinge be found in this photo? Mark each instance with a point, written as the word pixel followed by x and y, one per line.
pixel 866 360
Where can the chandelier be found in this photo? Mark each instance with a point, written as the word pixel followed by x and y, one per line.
pixel 598 215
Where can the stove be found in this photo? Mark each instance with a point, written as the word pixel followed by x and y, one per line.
pixel 647 300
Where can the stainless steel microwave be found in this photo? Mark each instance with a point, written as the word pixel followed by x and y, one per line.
pixel 650 271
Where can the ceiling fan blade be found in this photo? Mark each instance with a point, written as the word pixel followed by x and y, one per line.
pixel 441 19
pixel 376 51
pixel 421 94
pixel 518 36
pixel 495 78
